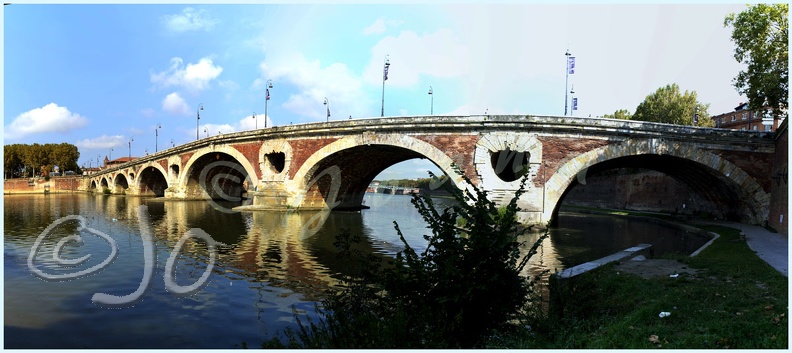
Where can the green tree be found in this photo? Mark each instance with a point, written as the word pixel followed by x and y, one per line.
pixel 623 114
pixel 669 105
pixel 761 35
pixel 12 160
pixel 64 155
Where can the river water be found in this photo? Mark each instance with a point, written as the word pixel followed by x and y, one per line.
pixel 267 266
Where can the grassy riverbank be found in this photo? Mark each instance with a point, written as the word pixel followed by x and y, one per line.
pixel 735 300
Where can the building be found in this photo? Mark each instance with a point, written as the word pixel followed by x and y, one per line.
pixel 743 119
pixel 89 171
pixel 117 161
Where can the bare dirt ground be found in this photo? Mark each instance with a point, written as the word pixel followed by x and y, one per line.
pixel 655 268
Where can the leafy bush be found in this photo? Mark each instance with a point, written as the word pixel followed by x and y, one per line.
pixel 464 288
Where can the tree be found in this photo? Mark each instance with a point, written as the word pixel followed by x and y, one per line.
pixel 669 105
pixel 12 160
pixel 622 114
pixel 761 34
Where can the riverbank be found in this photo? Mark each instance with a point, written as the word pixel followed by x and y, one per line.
pixel 729 299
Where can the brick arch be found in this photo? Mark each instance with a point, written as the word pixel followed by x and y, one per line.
pixel 103 182
pixel 143 167
pixel 116 180
pixel 755 199
pixel 412 146
pixel 184 173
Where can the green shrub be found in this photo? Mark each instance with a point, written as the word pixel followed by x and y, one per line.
pixel 464 288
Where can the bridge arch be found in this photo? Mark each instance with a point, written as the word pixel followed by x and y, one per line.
pixel 738 195
pixel 103 182
pixel 120 183
pixel 353 162
pixel 225 164
pixel 151 180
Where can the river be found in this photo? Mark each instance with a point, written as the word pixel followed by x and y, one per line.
pixel 267 265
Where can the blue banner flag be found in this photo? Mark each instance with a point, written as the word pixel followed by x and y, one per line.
pixel 574 103
pixel 571 65
pixel 385 76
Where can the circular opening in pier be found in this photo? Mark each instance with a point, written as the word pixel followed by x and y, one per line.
pixel 509 165
pixel 277 161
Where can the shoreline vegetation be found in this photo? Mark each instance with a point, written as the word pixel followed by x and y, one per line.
pixel 729 298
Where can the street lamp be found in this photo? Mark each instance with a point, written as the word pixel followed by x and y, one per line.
pixel 327 105
pixel 269 85
pixel 131 139
pixel 256 119
pixel 431 108
pixel 156 137
pixel 695 118
pixel 172 144
pixel 384 78
pixel 111 154
pixel 566 85
pixel 198 112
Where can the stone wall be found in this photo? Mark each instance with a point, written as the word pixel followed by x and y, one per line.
pixel 39 185
pixel 778 217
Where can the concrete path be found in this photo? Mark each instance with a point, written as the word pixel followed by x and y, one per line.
pixel 773 248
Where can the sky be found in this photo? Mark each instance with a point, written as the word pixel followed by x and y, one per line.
pixel 104 77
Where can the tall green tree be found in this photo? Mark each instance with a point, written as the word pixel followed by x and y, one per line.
pixel 622 114
pixel 669 105
pixel 761 36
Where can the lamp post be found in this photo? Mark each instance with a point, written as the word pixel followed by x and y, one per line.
pixel 384 78
pixel 172 144
pixel 327 106
pixel 566 85
pixel 431 107
pixel 206 132
pixel 269 85
pixel 156 137
pixel 130 147
pixel 256 119
pixel 110 154
pixel 198 113
pixel 695 117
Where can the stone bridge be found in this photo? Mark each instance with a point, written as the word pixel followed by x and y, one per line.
pixel 319 165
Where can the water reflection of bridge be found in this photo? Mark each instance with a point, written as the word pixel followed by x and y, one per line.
pixel 290 250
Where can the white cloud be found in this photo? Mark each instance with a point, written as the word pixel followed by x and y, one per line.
pixel 213 129
pixel 189 19
pixel 193 77
pixel 380 26
pixel 377 27
pixel 101 142
pixel 248 123
pixel 314 82
pixel 439 54
pixel 49 118
pixel 174 104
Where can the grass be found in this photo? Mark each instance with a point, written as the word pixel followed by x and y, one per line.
pixel 736 300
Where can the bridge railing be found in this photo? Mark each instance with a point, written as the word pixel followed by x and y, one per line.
pixel 479 123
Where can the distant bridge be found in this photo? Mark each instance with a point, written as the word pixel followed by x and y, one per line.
pixel 318 165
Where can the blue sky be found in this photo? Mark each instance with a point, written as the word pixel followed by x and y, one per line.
pixel 100 75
